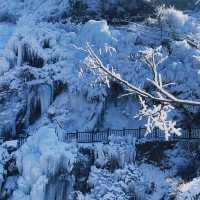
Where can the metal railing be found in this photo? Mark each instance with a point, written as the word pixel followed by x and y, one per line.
pixel 139 134
pixel 95 136
pixel 21 139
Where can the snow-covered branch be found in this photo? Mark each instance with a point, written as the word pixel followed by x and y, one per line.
pixel 156 81
pixel 158 114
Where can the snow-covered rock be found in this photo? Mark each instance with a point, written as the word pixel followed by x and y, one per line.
pixel 39 160
pixel 189 190
pixel 173 18
pixel 121 151
pixel 142 182
pixel 3 158
pixel 96 32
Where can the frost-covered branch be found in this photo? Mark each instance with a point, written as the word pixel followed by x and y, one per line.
pixel 158 114
pixel 197 2
pixel 156 81
pixel 157 117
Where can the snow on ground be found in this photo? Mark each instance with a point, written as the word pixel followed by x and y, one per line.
pixel 189 190
pixel 164 183
pixel 108 185
pixel 116 174
pixel 145 182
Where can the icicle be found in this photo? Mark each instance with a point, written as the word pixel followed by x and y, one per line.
pixel 19 57
pixel 28 107
pixel 39 98
pixel 13 126
pixel 45 95
pixel 58 188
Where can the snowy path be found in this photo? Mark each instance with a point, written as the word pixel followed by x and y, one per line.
pixel 6 30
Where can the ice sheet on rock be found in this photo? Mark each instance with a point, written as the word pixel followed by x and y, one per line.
pixel 40 159
pixel 46 97
pixel 98 33
pixel 120 149
pixel 74 112
pixel 120 114
pixel 6 30
pixel 5 66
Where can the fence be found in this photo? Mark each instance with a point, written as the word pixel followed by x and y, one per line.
pixel 96 136
pixel 21 139
pixel 139 134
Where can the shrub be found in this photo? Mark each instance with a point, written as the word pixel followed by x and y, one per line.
pixel 172 18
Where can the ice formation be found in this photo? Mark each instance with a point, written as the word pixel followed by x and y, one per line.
pixel 42 161
pixel 189 190
pixel 119 149
pixel 44 80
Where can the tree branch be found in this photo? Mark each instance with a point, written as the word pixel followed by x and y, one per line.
pixel 169 98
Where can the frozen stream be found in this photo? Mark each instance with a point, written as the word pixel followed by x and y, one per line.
pixel 6 30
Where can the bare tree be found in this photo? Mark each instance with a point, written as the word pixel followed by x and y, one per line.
pixel 163 101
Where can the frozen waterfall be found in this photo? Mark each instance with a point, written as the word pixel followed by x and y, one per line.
pixel 40 96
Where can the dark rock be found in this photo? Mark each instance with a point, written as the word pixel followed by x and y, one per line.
pixel 82 168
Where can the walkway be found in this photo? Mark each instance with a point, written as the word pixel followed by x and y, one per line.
pixel 103 136
pixel 139 134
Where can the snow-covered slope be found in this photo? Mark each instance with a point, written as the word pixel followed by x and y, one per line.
pixel 44 79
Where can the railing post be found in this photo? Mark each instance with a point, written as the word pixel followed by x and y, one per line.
pixel 190 133
pixel 108 134
pixel 77 136
pixel 18 142
pixel 139 131
pixel 124 132
pixel 93 135
pixel 156 133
